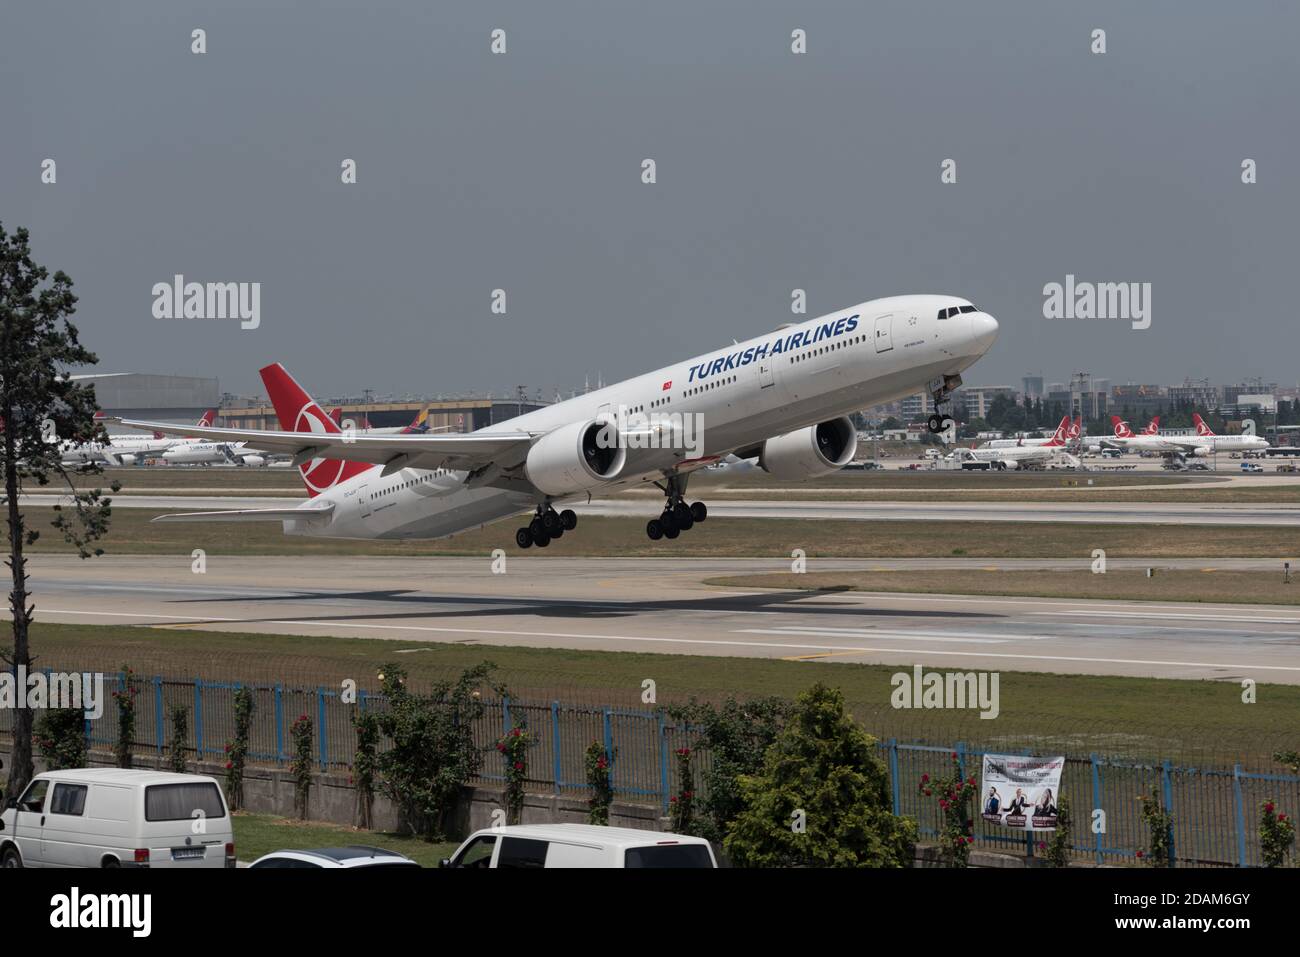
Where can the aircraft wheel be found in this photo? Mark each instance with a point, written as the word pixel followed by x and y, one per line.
pixel 569 519
pixel 558 532
pixel 935 423
pixel 550 521
pixel 654 530
pixel 671 530
pixel 699 511
pixel 523 538
pixel 537 528
pixel 542 540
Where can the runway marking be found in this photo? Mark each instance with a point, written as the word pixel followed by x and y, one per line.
pixel 1185 616
pixel 707 641
pixel 959 637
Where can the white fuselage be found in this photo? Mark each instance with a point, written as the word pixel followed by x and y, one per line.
pixel 1018 456
pixel 743 394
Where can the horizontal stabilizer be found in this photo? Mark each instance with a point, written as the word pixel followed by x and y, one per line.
pixel 251 514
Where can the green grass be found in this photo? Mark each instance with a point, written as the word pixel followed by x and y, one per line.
pixel 1200 721
pixel 1209 584
pixel 132 533
pixel 258 834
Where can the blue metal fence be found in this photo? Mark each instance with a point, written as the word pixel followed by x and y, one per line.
pixel 1215 809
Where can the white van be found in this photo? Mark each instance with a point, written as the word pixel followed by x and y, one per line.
pixel 111 817
pixel 579 845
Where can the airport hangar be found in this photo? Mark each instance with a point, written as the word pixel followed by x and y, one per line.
pixel 182 399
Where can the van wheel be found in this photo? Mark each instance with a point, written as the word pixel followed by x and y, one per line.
pixel 111 862
pixel 11 858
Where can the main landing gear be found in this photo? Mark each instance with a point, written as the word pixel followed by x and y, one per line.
pixel 677 516
pixel 547 524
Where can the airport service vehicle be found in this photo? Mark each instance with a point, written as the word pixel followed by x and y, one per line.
pixel 536 846
pixel 352 856
pixel 1251 467
pixel 111 817
pixel 783 398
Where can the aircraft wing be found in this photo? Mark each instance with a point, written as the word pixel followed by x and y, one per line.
pixel 420 451
pixel 252 514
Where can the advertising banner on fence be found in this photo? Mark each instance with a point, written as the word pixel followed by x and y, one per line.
pixel 1020 792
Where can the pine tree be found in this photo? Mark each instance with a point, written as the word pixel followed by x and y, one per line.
pixel 41 410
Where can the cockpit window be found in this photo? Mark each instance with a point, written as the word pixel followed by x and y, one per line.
pixel 969 309
pixel 943 313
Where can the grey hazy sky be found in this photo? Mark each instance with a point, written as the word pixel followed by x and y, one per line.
pixel 775 171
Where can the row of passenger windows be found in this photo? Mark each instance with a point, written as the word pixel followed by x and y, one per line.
pixel 726 380
pixel 420 481
pixel 954 310
pixel 835 345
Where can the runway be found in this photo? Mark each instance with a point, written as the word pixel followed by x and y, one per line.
pixel 1123 513
pixel 661 605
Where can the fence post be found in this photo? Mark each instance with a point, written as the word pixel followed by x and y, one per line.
pixel 1240 808
pixel 322 737
pixel 555 743
pixel 960 748
pixel 506 722
pixel 158 714
pixel 1167 790
pixel 279 724
pixel 609 745
pixel 1096 803
pixel 198 717
pixel 663 760
pixel 893 771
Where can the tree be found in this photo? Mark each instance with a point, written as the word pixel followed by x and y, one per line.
pixel 822 798
pixel 41 409
pixel 433 754
pixel 736 735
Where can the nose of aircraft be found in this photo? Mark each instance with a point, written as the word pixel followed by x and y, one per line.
pixel 983 332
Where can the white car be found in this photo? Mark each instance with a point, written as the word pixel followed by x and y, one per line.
pixel 114 817
pixel 535 846
pixel 354 855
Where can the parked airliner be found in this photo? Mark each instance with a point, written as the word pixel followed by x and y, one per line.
pixel 784 398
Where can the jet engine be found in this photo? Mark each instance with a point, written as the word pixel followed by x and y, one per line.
pixel 576 458
pixel 817 450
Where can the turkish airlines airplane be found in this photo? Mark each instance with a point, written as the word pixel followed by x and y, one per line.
pixel 1065 430
pixel 126 447
pixel 1018 456
pixel 784 397
pixel 1148 440
pixel 1205 442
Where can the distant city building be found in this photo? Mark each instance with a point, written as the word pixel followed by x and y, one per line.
pixel 1032 386
pixel 1200 394
pixel 916 407
pixel 978 399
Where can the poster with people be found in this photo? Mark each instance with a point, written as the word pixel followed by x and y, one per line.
pixel 1021 792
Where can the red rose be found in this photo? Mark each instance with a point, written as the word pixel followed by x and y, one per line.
pixel 1281 817
pixel 970 840
pixel 954 755
pixel 229 765
pixel 925 778
pixel 1269 807
pixel 927 792
pixel 1140 854
pixel 519 766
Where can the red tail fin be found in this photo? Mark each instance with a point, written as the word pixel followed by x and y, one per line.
pixel 1202 428
pixel 1076 428
pixel 1153 427
pixel 298 412
pixel 207 419
pixel 1122 431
